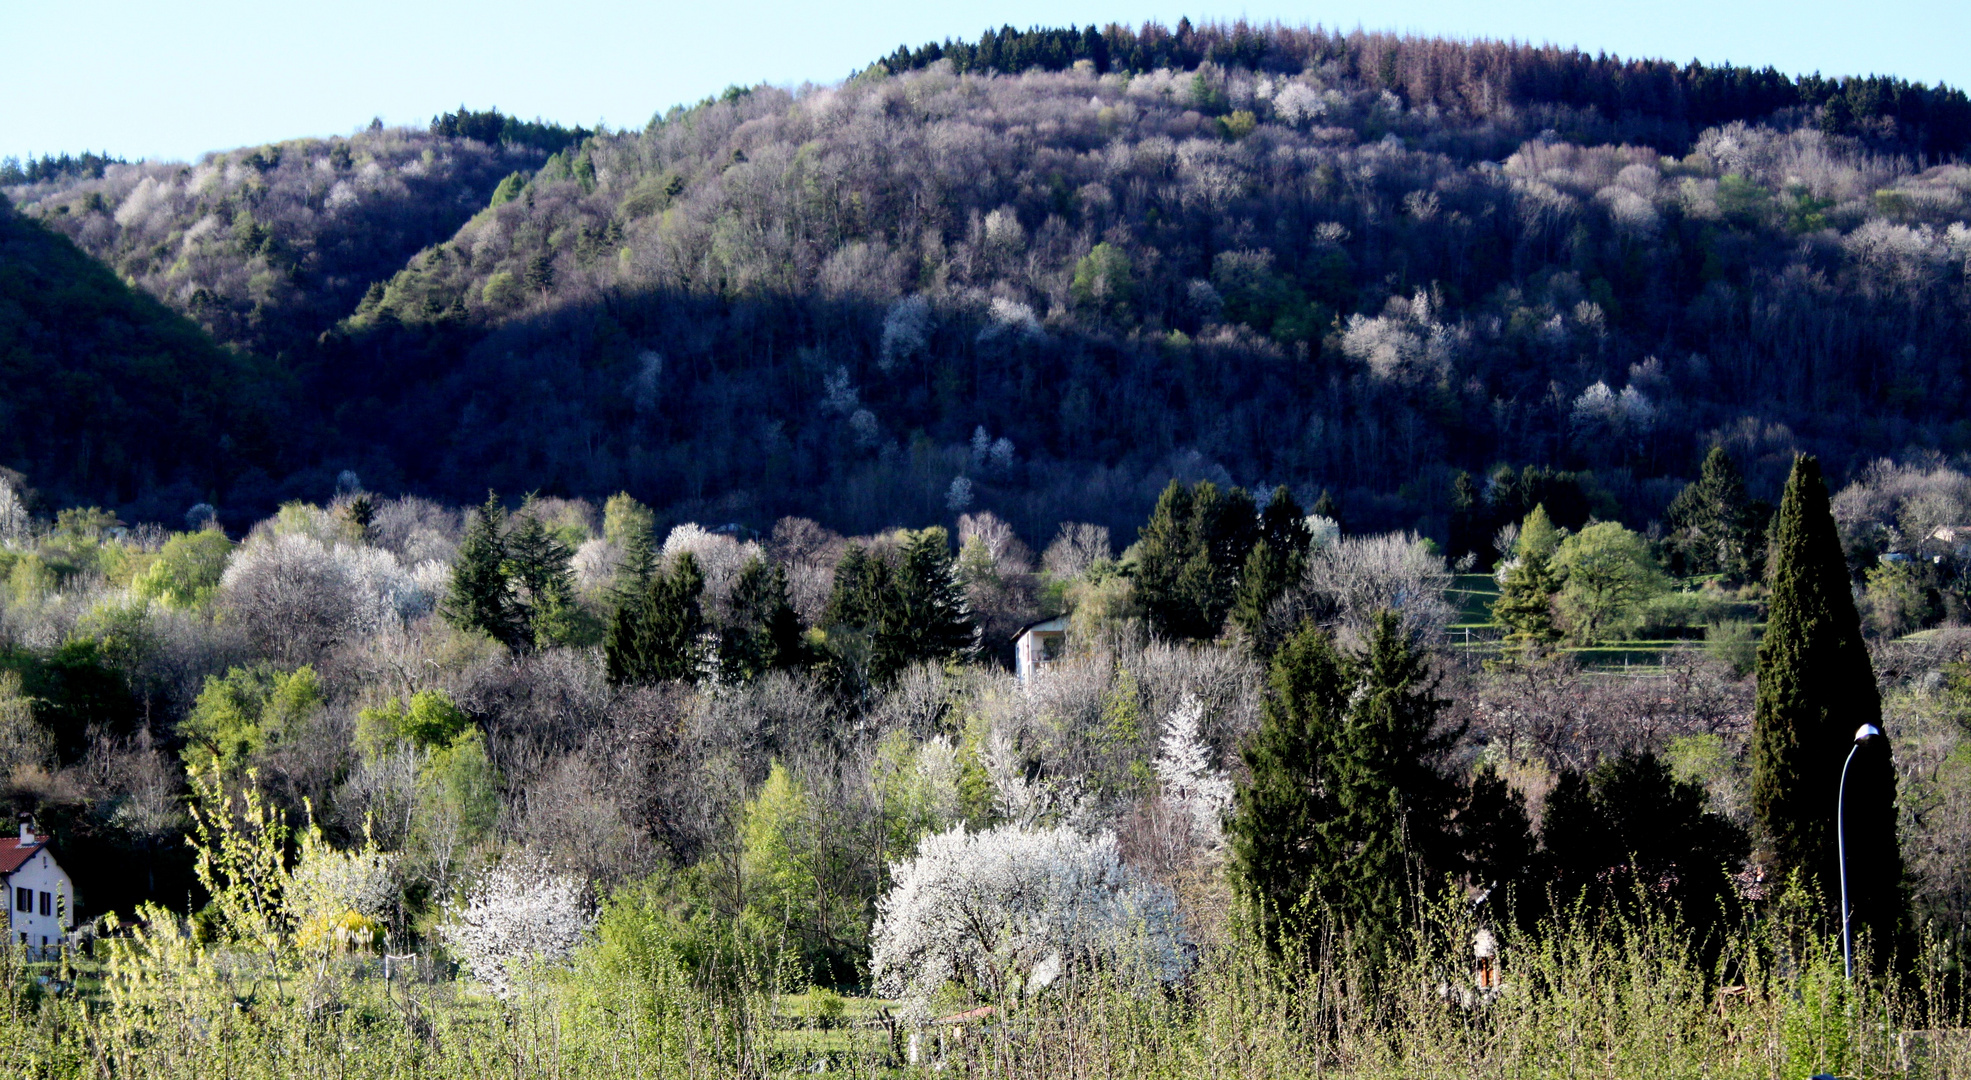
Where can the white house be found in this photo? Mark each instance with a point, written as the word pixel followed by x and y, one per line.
pixel 40 895
pixel 1038 646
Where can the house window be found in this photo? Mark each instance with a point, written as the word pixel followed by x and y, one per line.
pixel 47 903
pixel 24 900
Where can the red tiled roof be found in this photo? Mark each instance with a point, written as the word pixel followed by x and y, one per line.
pixel 13 853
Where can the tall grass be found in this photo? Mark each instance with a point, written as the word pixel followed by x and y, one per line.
pixel 1601 997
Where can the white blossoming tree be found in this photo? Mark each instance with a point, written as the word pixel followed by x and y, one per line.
pixel 520 914
pixel 1190 785
pixel 1010 910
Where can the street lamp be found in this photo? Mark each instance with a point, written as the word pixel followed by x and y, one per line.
pixel 1862 735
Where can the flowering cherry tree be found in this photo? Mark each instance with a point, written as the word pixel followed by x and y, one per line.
pixel 1190 785
pixel 520 913
pixel 1011 909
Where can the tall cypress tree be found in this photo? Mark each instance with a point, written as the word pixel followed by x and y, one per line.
pixel 1816 686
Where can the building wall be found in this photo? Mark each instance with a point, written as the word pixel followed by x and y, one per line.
pixel 42 876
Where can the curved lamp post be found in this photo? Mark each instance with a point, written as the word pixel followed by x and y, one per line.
pixel 1862 735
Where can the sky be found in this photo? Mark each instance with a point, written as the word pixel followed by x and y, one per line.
pixel 169 81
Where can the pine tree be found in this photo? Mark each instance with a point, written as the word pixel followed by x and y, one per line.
pixel 1816 687
pixel 1347 810
pixel 481 596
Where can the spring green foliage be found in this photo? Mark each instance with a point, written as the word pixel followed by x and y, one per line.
pixel 187 569
pixel 246 712
pixel 1816 687
pixel 430 719
pixel 1607 574
pixel 1190 557
pixel 1344 822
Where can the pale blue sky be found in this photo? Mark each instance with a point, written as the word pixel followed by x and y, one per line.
pixel 172 80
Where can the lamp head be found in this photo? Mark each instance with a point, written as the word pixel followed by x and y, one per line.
pixel 1867 732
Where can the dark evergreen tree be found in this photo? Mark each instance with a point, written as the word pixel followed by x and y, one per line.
pixel 1630 828
pixel 1816 687
pixel 764 632
pixel 656 636
pixel 1347 813
pixel 539 564
pixel 1496 838
pixel 928 619
pixel 481 596
pixel 1275 564
pixel 1712 524
pixel 1326 507
pixel 1190 556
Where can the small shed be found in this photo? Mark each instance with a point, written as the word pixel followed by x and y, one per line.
pixel 1039 645
pixel 40 894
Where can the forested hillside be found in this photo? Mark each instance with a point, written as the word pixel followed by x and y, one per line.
pixel 109 396
pixel 267 246
pixel 1045 272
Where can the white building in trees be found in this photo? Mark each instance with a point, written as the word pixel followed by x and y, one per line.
pixel 40 895
pixel 1039 646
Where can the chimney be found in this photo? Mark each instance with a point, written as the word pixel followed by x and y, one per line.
pixel 27 834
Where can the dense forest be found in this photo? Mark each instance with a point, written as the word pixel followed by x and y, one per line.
pixel 1047 271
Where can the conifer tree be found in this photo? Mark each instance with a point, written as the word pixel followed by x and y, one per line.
pixel 1275 564
pixel 1190 556
pixel 481 596
pixel 1816 687
pixel 929 618
pixel 655 635
pixel 764 633
pixel 1524 608
pixel 1347 810
pixel 1713 526
pixel 539 563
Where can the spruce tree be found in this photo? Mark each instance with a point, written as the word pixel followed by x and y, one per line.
pixel 1524 608
pixel 929 619
pixel 539 563
pixel 1712 526
pixel 764 633
pixel 655 633
pixel 1347 811
pixel 481 595
pixel 1276 562
pixel 1190 557
pixel 1816 687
